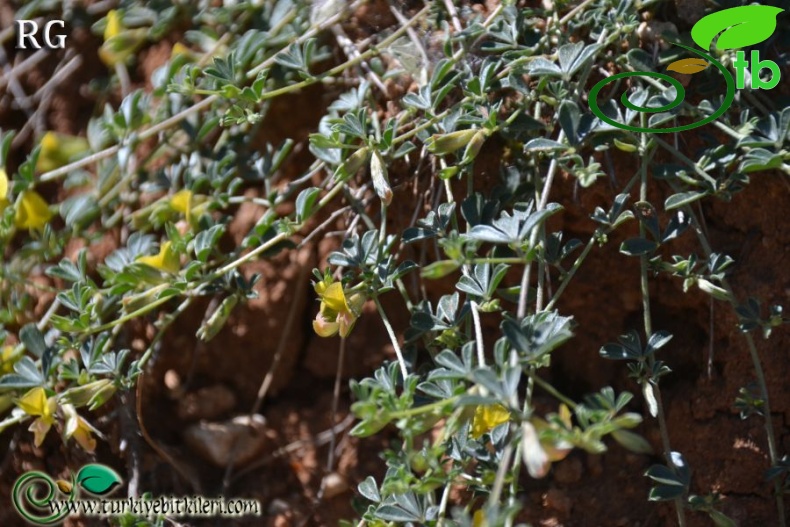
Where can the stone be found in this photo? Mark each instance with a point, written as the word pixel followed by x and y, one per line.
pixel 237 441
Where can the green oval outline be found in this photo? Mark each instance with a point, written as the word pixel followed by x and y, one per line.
pixel 728 99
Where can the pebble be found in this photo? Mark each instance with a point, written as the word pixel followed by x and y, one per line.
pixel 238 440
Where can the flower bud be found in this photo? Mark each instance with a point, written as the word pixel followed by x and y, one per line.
pixel 217 319
pixel 447 143
pixel 378 172
pixel 350 166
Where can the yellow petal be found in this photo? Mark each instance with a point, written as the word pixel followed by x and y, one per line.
pixel 79 429
pixel 39 427
pixel 345 322
pixel 182 201
pixel 34 402
pixel 113 27
pixel 32 211
pixel 488 417
pixel 167 260
pixel 335 298
pixel 3 184
pixel 479 519
pixel 7 359
pixel 180 49
pixel 320 287
pixel 323 327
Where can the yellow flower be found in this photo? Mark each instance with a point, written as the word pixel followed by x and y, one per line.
pixel 479 519
pixel 167 260
pixel 3 189
pixel 182 201
pixel 180 50
pixel 487 418
pixel 79 429
pixel 32 212
pixel 189 204
pixel 337 313
pixel 120 43
pixel 7 359
pixel 58 150
pixel 113 27
pixel 36 403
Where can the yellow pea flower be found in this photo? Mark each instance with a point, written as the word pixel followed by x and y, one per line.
pixel 338 313
pixel 7 359
pixel 119 43
pixel 189 204
pixel 32 212
pixel 488 417
pixel 78 428
pixel 167 260
pixel 180 50
pixel 113 27
pixel 3 189
pixel 58 150
pixel 36 403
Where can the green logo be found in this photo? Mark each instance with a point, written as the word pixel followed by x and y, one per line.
pixel 34 492
pixel 736 28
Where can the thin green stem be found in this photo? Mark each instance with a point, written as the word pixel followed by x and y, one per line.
pixel 404 371
pixel 551 390
pixel 481 356
pixel 569 276
pixel 648 323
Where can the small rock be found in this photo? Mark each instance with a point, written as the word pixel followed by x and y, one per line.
pixel 206 403
pixel 237 441
pixel 334 485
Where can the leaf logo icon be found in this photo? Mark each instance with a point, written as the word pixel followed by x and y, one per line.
pixel 98 479
pixel 739 27
pixel 688 66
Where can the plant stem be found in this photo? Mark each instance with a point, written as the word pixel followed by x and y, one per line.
pixel 648 323
pixel 533 239
pixel 404 371
pixel 571 273
pixel 481 356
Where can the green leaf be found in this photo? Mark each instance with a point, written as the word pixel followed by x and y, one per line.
pixel 33 340
pixel 663 474
pixel 665 493
pixel 638 246
pixel 739 27
pixel 396 514
pixel 369 489
pixel 439 269
pixel 98 479
pixel 683 198
pixel 721 519
pixel 305 202
pixel 633 442
pixel 205 241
